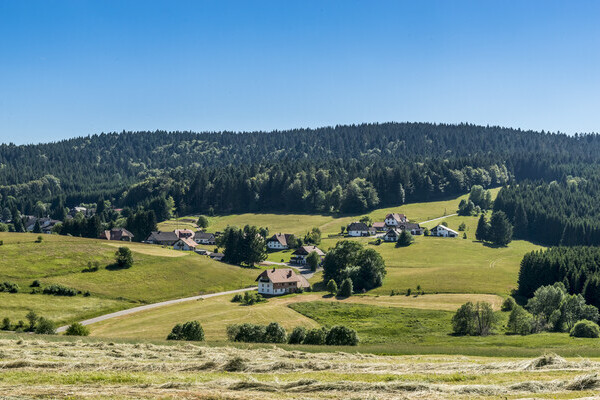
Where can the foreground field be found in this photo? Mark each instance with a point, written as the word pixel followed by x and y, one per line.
pixel 158 274
pixel 60 368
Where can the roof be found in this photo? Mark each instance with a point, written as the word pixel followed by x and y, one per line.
pixel 187 241
pixel 396 216
pixel 378 224
pixel 162 236
pixel 203 235
pixel 184 232
pixel 116 234
pixel 281 238
pixel 216 255
pixel 392 232
pixel 283 275
pixel 305 250
pixel 446 228
pixel 409 225
pixel 358 226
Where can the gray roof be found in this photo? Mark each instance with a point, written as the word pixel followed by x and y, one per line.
pixel 203 235
pixel 162 236
pixel 358 226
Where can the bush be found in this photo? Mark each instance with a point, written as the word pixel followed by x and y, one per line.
pixel 59 290
pixel 9 287
pixel 508 304
pixel 76 329
pixel 462 227
pixel 237 298
pixel 275 333
pixel 405 239
pixel 91 267
pixel 6 324
pixel 251 298
pixel 345 288
pixel 473 319
pixel 190 331
pixel 249 333
pixel 332 287
pixel 124 257
pixel 341 336
pixel 45 327
pixel 39 239
pixel 585 329
pixel 35 283
pixel 315 336
pixel 202 222
pixel 297 336
pixel 520 322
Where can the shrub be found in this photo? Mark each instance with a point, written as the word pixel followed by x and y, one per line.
pixel 315 336
pixel 251 298
pixel 408 291
pixel 35 283
pixel 202 222
pixel 275 333
pixel 235 364
pixel 9 287
pixel 191 331
pixel 76 329
pixel 462 227
pixel 59 290
pixel 39 239
pixel 332 287
pixel 405 239
pixel 508 304
pixel 297 336
pixel 6 324
pixel 32 317
pixel 249 333
pixel 585 329
pixel 345 288
pixel 463 322
pixel 45 327
pixel 520 322
pixel 124 257
pixel 237 298
pixel 91 267
pixel 341 336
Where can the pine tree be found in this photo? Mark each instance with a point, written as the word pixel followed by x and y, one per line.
pixel 500 231
pixel 521 221
pixel 481 233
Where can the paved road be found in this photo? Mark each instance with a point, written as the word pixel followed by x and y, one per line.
pixel 154 305
pixel 435 219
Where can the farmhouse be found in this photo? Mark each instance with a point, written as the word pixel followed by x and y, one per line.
pixel 280 281
pixel 204 238
pixel 391 235
pixel 414 229
pixel 394 219
pixel 279 241
pixel 185 244
pixel 299 256
pixel 184 233
pixel 379 226
pixel 162 238
pixel 119 234
pixel 359 229
pixel 443 231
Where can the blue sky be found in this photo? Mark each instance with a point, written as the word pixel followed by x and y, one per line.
pixel 72 68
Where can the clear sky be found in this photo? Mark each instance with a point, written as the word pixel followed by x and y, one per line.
pixel 72 68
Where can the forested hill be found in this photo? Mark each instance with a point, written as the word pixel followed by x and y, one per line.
pixel 300 170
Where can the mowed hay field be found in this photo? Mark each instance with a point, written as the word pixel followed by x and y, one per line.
pixel 157 274
pixel 88 368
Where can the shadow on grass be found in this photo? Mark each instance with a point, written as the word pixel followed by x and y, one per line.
pixel 116 267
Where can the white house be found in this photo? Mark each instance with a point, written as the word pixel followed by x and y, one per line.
pixel 391 235
pixel 358 229
pixel 414 229
pixel 280 281
pixel 299 256
pixel 394 219
pixel 443 231
pixel 279 241
pixel 185 244
pixel 204 238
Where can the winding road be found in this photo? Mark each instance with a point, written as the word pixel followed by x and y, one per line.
pixel 154 305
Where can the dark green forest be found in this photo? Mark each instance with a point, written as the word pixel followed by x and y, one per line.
pixel 347 169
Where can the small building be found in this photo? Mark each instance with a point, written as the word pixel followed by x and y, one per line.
pixel 299 256
pixel 394 219
pixel 204 238
pixel 414 229
pixel 359 229
pixel 443 231
pixel 217 256
pixel 184 233
pixel 162 238
pixel 279 241
pixel 379 226
pixel 185 244
pixel 391 235
pixel 119 234
pixel 280 281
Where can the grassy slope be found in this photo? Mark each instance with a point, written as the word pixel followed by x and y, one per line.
pixel 157 274
pixel 218 312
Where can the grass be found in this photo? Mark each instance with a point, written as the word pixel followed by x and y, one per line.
pixel 218 312
pixel 158 273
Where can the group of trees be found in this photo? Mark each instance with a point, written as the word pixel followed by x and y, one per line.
pixel 474 319
pixel 36 324
pixel 274 333
pixel 577 268
pixel 190 331
pixel 243 246
pixel 479 200
pixel 553 309
pixel 498 231
pixel 351 262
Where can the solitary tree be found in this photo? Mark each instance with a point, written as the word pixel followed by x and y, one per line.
pixel 124 257
pixel 405 239
pixel 346 288
pixel 482 229
pixel 202 222
pixel 32 317
pixel 313 260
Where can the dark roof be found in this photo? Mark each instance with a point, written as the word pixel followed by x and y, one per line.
pixel 160 236
pixel 409 225
pixel 281 238
pixel 358 226
pixel 305 250
pixel 116 234
pixel 203 235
